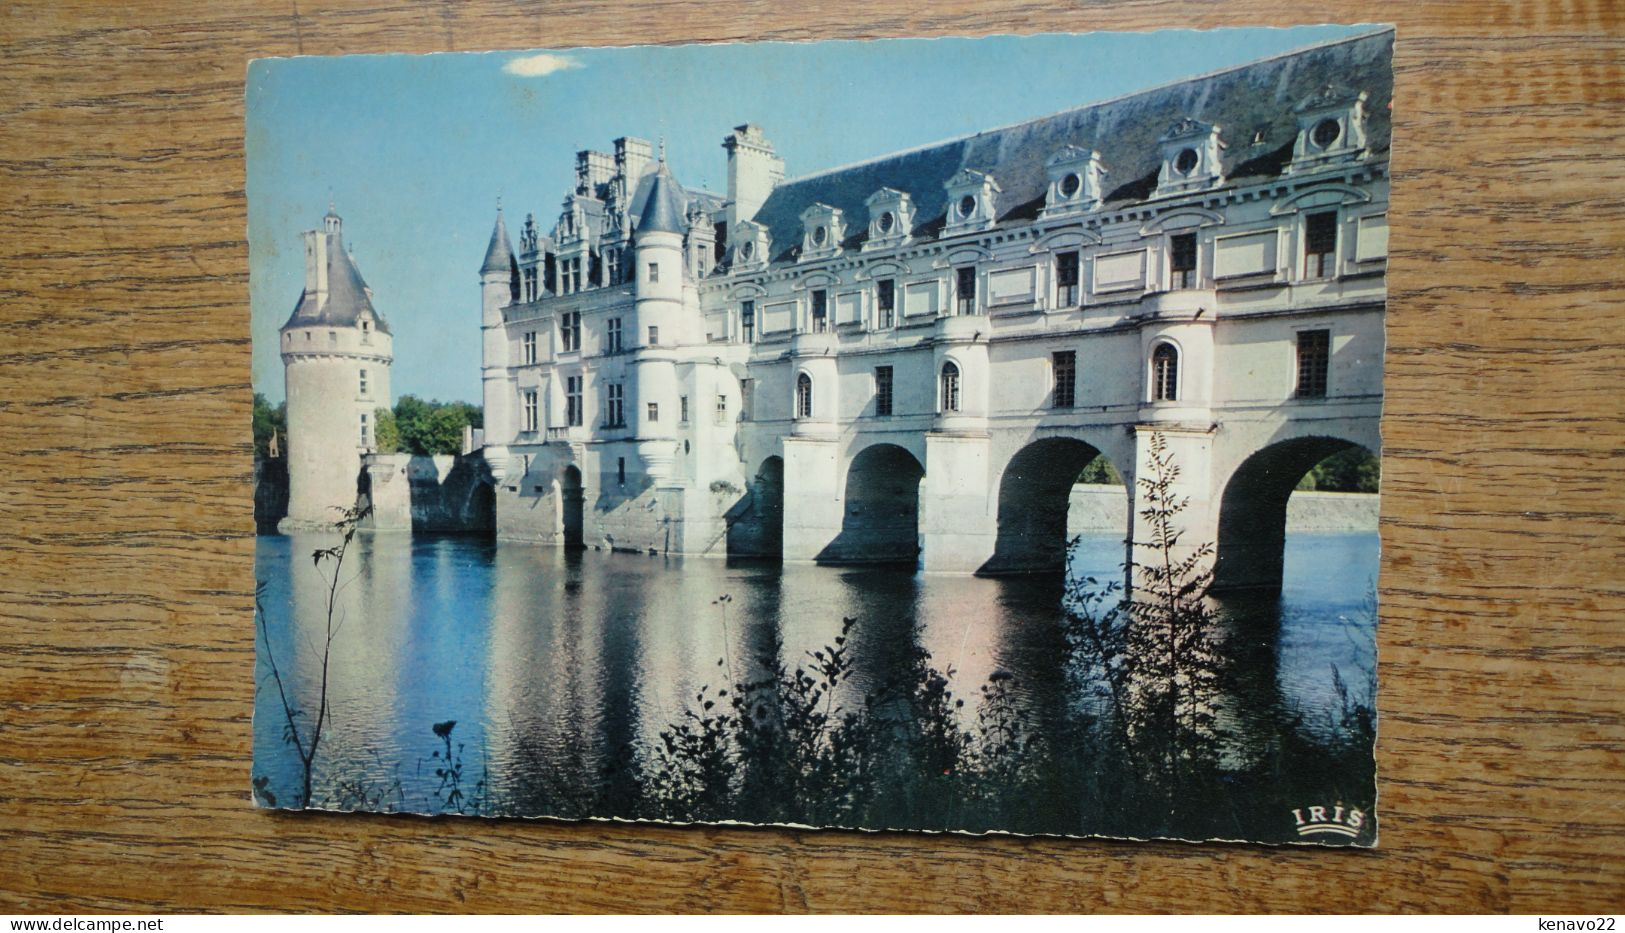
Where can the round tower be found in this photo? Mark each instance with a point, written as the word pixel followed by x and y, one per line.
pixel 658 321
pixel 336 353
pixel 499 287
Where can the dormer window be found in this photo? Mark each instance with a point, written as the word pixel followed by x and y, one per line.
pixel 1190 158
pixel 891 217
pixel 823 227
pixel 1326 133
pixel 971 197
pixel 1075 177
pixel 1331 130
pixel 750 244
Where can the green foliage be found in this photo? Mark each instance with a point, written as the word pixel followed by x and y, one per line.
pixel 432 427
pixel 1100 472
pixel 386 432
pixel 1353 470
pixel 268 420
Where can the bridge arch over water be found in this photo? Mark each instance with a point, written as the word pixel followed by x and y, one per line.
pixel 1034 497
pixel 1252 509
pixel 880 516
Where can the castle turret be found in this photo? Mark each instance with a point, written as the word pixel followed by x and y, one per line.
pixel 499 287
pixel 336 353
pixel 659 283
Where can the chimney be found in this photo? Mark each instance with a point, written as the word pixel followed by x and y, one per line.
pixel 753 171
pixel 631 156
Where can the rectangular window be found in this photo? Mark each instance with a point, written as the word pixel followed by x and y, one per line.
pixel 532 421
pixel 820 310
pixel 654 271
pixel 747 321
pixel 620 470
pixel 654 412
pixel 885 302
pixel 883 390
pixel 1066 280
pixel 364 430
pixel 1314 358
pixel 722 405
pixel 572 401
pixel 570 331
pixel 1065 364
pixel 612 266
pixel 363 383
pixel 746 388
pixel 527 346
pixel 575 274
pixel 615 407
pixel 332 338
pixel 682 409
pixel 654 335
pixel 965 289
pixel 1319 244
pixel 612 339
pixel 1182 260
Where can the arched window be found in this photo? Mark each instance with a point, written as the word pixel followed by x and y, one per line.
pixel 1164 373
pixel 950 387
pixel 803 396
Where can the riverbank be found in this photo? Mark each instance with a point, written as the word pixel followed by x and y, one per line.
pixel 1104 509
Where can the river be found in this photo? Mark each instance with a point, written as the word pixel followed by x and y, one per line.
pixel 552 659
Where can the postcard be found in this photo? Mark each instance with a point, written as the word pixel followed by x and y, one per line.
pixel 967 435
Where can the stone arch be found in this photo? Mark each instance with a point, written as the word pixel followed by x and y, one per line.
pixel 572 507
pixel 1252 510
pixel 880 516
pixel 756 521
pixel 1035 493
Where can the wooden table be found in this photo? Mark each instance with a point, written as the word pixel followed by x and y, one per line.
pixel 126 540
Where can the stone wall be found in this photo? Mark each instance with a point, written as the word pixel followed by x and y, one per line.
pixel 442 493
pixel 1105 509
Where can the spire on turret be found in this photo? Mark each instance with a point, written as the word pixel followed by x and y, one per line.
pixel 663 207
pixel 499 255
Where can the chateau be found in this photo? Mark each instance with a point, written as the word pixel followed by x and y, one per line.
pixel 910 359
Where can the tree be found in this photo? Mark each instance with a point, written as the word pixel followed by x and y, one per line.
pixel 386 434
pixel 1352 470
pixel 433 427
pixel 268 421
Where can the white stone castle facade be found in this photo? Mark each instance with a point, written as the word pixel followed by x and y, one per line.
pixel 911 359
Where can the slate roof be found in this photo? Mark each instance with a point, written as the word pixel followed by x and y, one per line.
pixel 660 204
pixel 1248 102
pixel 346 295
pixel 499 253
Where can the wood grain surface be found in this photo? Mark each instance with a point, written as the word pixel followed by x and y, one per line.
pixel 126 533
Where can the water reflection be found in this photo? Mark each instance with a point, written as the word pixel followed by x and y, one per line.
pixel 559 665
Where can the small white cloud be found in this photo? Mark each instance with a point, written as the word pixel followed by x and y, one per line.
pixel 539 65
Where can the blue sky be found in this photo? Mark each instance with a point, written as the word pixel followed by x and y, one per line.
pixel 415 149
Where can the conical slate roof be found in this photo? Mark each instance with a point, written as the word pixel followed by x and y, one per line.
pixel 498 255
pixel 662 204
pixel 346 295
